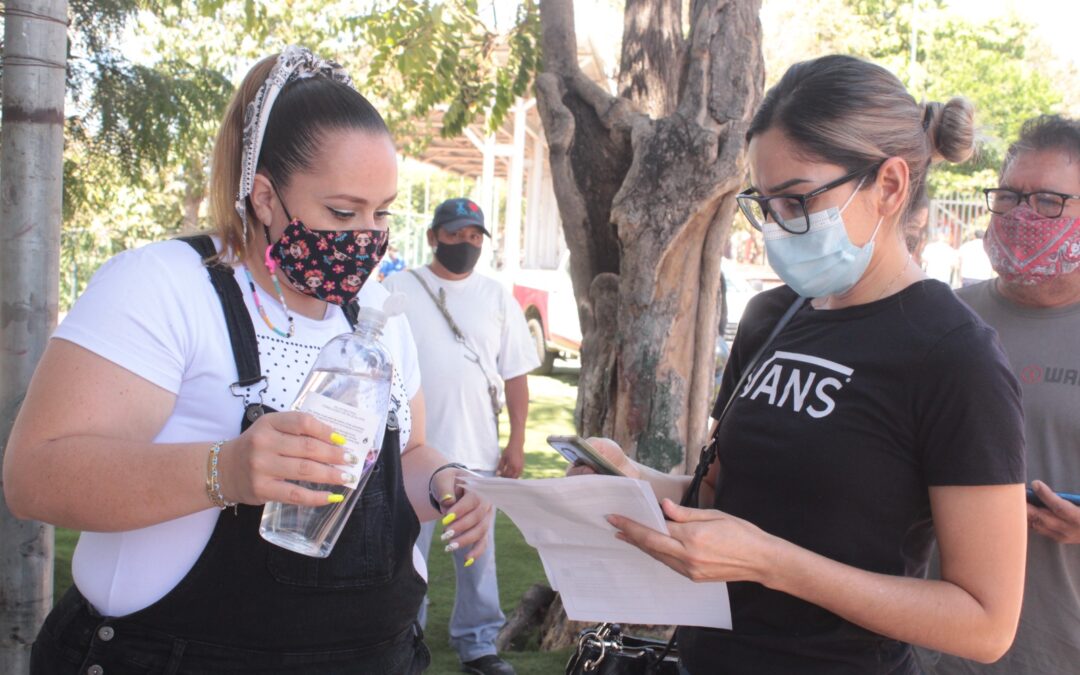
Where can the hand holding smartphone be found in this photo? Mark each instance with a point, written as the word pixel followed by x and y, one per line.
pixel 1034 498
pixel 577 451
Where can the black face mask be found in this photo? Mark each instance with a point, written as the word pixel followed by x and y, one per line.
pixel 458 258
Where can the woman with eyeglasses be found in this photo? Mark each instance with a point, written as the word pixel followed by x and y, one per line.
pixel 139 427
pixel 882 413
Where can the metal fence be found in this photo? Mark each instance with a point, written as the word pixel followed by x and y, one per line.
pixel 957 216
pixel 408 232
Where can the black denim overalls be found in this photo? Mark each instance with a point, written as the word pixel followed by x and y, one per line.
pixel 248 606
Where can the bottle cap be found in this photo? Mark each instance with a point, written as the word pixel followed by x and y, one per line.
pixel 371 316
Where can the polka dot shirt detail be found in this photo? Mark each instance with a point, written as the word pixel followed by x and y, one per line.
pixel 286 363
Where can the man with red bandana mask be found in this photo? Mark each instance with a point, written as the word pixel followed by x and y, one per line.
pixel 1034 246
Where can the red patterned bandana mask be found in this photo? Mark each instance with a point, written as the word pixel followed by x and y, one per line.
pixel 1027 248
pixel 331 265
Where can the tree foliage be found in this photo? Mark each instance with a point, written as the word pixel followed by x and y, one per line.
pixel 139 131
pixel 429 53
pixel 137 135
pixel 143 117
pixel 992 63
pixel 999 64
pixel 148 83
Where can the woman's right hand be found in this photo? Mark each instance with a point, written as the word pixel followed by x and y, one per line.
pixel 260 465
pixel 612 453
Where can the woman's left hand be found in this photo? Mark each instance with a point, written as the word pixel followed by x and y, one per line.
pixel 704 544
pixel 466 516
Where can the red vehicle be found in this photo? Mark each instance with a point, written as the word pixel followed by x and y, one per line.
pixel 547 298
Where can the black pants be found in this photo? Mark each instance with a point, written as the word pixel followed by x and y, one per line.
pixel 75 639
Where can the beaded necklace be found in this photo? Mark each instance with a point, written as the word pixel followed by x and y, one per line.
pixel 271 267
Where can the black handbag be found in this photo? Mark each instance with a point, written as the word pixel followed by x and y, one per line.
pixel 604 649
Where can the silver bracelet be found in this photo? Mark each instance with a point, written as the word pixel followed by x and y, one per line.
pixel 213 484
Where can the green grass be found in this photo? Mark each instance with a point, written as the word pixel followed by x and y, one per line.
pixel 551 411
pixel 65 544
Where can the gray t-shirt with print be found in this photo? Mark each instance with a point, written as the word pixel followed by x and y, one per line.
pixel 1043 346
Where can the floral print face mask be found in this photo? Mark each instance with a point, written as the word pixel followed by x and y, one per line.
pixel 331 265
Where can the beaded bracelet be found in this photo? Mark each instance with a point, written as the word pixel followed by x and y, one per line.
pixel 213 485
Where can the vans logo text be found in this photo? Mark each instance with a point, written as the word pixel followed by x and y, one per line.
pixel 801 382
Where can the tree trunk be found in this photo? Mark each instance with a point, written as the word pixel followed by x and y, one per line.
pixel 557 632
pixel 645 184
pixel 652 51
pixel 31 168
pixel 527 617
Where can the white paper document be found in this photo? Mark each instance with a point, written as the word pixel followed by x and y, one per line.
pixel 601 578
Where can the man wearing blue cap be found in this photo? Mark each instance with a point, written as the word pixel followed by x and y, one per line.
pixel 474 348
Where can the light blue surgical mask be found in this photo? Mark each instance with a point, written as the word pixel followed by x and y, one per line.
pixel 822 261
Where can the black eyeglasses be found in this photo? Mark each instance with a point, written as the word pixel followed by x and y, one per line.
pixel 786 210
pixel 1047 204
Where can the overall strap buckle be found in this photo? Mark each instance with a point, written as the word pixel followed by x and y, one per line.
pixel 243 389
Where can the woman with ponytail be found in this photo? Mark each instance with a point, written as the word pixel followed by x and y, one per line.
pixel 139 429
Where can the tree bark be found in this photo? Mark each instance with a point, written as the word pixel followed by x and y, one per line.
pixel 527 617
pixel 31 168
pixel 652 52
pixel 645 183
pixel 557 632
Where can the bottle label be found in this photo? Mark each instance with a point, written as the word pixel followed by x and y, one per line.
pixel 359 427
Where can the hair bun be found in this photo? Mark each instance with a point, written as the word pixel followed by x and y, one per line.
pixel 950 129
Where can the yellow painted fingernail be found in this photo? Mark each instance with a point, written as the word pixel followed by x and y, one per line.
pixel 448 498
pixel 335 498
pixel 337 439
pixel 449 518
pixel 469 562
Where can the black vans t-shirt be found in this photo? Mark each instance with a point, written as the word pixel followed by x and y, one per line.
pixel 832 444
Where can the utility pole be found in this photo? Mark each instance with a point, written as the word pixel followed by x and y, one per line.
pixel 31 186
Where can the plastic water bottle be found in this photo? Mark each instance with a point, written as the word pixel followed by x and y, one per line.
pixel 349 389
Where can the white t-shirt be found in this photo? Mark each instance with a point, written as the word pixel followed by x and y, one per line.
pixel 939 261
pixel 154 312
pixel 460 420
pixel 974 263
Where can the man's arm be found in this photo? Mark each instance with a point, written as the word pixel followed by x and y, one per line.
pixel 512 462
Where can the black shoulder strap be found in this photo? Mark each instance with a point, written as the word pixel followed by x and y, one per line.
pixel 245 346
pixel 708 453
pixel 351 311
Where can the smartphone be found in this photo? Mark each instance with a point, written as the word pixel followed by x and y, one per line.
pixel 1034 498
pixel 577 451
